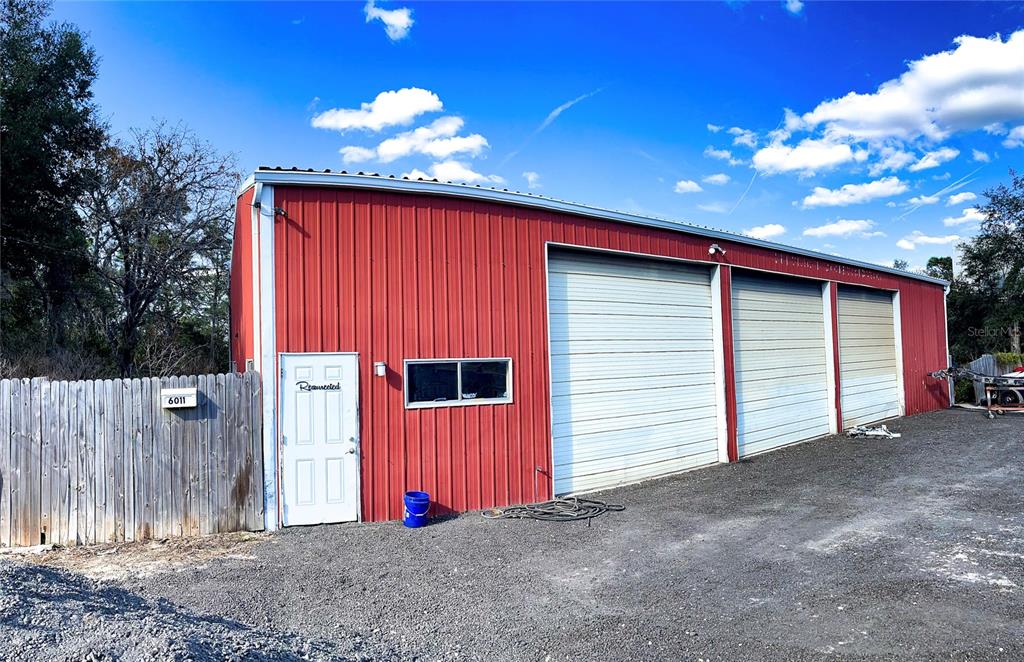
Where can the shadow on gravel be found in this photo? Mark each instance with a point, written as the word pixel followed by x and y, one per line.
pixel 48 613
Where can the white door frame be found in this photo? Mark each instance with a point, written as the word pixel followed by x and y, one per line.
pixel 831 332
pixel 897 323
pixel 280 428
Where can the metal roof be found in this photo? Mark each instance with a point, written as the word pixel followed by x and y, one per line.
pixel 373 181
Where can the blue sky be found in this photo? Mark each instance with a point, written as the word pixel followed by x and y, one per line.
pixel 896 111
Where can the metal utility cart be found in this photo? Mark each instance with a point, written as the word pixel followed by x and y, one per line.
pixel 1002 393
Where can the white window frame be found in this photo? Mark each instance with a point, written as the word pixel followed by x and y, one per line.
pixel 458 383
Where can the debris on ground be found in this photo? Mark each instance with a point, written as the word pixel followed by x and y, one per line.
pixel 983 408
pixel 114 561
pixel 872 431
pixel 26 551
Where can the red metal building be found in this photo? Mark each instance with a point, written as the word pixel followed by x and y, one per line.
pixel 492 347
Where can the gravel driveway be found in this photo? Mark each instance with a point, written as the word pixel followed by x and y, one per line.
pixel 859 549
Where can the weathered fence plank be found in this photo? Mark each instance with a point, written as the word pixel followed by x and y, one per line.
pixel 192 428
pixel 19 447
pixel 142 456
pixel 47 461
pixel 102 461
pixel 6 477
pixel 256 448
pixel 113 530
pixel 202 467
pixel 60 414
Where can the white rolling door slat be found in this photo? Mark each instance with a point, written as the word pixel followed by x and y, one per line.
pixel 868 370
pixel 632 369
pixel 782 394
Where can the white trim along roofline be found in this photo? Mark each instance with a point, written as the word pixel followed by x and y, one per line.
pixel 298 177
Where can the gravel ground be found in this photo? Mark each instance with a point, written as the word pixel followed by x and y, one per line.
pixel 856 549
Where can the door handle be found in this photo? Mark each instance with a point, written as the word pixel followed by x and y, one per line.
pixel 351 451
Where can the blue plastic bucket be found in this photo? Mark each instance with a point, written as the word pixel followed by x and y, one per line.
pixel 417 505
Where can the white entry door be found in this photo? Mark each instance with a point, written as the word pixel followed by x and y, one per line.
pixel 319 438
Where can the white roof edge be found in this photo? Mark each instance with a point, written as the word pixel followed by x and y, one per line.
pixel 377 182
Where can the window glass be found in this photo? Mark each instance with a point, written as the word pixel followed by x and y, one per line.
pixel 433 382
pixel 484 379
pixel 458 381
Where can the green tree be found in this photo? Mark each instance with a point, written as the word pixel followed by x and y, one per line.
pixel 47 126
pixel 940 267
pixel 986 303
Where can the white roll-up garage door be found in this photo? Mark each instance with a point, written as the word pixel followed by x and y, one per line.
pixel 632 369
pixel 782 393
pixel 868 373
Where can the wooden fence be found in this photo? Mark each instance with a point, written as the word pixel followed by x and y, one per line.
pixel 102 461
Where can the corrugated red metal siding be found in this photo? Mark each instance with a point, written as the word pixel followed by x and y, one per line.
pixel 397 276
pixel 923 317
pixel 240 295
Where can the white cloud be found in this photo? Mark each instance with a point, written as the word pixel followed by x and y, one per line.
pixel 969 215
pixel 891 158
pixel 397 22
pixel 978 83
pixel 793 6
pixel 766 231
pixel 959 198
pixel 714 128
pixel 935 158
pixel 979 156
pixel 721 155
pixel 1015 138
pixel 395 107
pixel 807 157
pixel 941 178
pixel 916 238
pixel 851 194
pixel 353 154
pixel 457 171
pixel 714 207
pixel 438 139
pixel 532 179
pixel 718 179
pixel 743 137
pixel 922 200
pixel 844 228
pixel 687 186
pixel 454 171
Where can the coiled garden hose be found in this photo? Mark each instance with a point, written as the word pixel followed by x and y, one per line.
pixel 568 509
